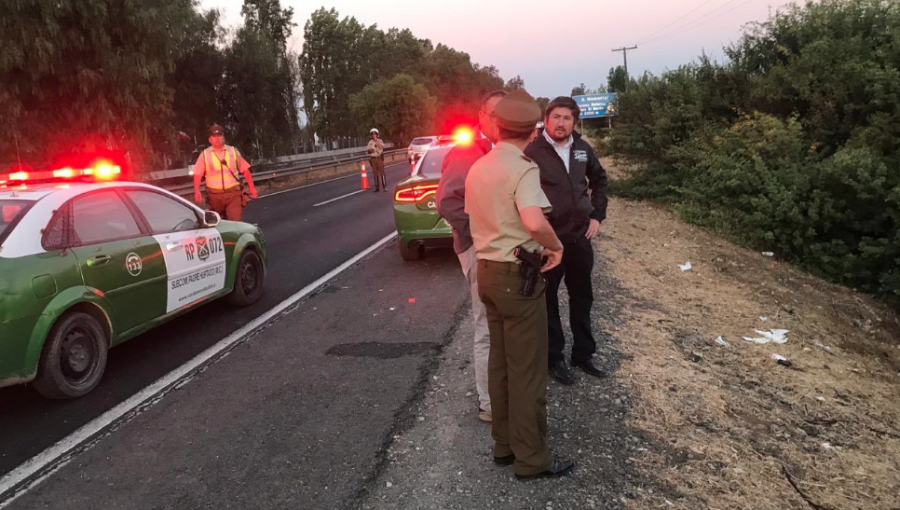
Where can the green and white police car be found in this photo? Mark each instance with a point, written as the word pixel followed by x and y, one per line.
pixel 85 266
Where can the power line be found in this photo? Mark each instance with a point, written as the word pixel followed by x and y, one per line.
pixel 695 9
pixel 695 24
pixel 689 23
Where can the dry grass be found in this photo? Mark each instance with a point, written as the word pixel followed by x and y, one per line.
pixel 739 430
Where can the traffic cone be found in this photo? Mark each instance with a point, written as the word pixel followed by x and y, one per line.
pixel 365 179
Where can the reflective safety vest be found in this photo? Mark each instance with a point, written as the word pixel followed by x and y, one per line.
pixel 219 177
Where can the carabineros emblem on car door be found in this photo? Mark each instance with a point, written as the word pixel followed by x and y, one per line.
pixel 202 248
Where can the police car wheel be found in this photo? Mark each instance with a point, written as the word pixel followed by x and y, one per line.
pixel 412 251
pixel 248 281
pixel 74 357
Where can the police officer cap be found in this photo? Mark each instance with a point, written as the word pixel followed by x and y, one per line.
pixel 216 129
pixel 517 112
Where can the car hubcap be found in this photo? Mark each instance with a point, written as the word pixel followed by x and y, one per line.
pixel 248 277
pixel 78 355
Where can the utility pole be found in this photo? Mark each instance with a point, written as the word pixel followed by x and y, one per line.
pixel 625 51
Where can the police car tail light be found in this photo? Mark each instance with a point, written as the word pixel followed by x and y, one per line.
pixel 416 193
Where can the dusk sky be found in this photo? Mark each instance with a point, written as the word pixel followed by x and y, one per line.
pixel 554 46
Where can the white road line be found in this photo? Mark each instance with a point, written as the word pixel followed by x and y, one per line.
pixel 323 182
pixel 48 457
pixel 338 198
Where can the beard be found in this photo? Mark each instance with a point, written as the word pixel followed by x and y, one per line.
pixel 559 134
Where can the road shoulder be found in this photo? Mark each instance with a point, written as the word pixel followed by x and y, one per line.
pixel 444 460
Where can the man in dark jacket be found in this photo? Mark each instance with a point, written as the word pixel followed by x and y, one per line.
pixel 451 204
pixel 569 169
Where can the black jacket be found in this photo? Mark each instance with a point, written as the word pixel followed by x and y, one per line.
pixel 573 208
pixel 451 193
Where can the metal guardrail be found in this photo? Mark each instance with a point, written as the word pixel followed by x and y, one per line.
pixel 294 161
pixel 287 170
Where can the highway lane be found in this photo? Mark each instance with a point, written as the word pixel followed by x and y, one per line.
pixel 301 415
pixel 304 243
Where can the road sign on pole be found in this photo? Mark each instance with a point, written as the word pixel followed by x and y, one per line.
pixel 595 106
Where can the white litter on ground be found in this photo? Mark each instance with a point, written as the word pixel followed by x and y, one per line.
pixel 776 336
pixel 685 267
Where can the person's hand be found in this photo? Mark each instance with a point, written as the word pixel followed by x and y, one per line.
pixel 198 197
pixel 253 193
pixel 593 228
pixel 553 258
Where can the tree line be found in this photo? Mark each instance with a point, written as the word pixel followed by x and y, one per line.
pixel 791 145
pixel 148 78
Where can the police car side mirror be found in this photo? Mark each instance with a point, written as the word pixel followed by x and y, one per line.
pixel 211 218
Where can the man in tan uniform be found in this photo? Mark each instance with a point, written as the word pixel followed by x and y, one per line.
pixel 506 209
pixel 221 165
pixel 376 160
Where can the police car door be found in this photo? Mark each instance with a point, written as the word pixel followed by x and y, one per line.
pixel 117 258
pixel 194 255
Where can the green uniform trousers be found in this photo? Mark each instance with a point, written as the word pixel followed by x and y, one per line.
pixel 517 366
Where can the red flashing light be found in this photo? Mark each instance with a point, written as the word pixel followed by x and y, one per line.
pixel 415 194
pixel 100 170
pixel 463 136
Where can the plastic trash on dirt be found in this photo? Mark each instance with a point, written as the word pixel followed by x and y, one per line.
pixel 768 254
pixel 781 360
pixel 775 336
pixel 721 341
pixel 824 347
pixel 685 267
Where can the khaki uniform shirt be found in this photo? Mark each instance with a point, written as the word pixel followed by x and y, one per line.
pixel 497 187
pixel 375 148
pixel 220 169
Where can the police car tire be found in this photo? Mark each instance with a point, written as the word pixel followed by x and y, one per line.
pixel 51 382
pixel 239 296
pixel 411 252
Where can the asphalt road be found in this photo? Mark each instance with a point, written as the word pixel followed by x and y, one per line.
pixel 305 242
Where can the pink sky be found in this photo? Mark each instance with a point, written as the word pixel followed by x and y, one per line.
pixel 554 46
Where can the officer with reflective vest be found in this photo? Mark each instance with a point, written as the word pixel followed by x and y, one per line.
pixel 223 165
pixel 375 149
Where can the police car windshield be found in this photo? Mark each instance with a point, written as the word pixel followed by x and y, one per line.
pixel 11 211
pixel 432 162
pixel 421 141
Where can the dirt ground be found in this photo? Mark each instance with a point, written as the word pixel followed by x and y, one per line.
pixel 732 427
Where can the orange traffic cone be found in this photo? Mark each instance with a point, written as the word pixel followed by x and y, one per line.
pixel 365 179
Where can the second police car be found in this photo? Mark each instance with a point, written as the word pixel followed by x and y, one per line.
pixel 85 266
pixel 419 225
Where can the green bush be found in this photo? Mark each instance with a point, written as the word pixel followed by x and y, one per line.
pixel 790 146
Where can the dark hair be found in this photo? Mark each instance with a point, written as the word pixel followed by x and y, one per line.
pixel 506 134
pixel 563 102
pixel 490 95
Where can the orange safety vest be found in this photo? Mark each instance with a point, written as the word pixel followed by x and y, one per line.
pixel 219 177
